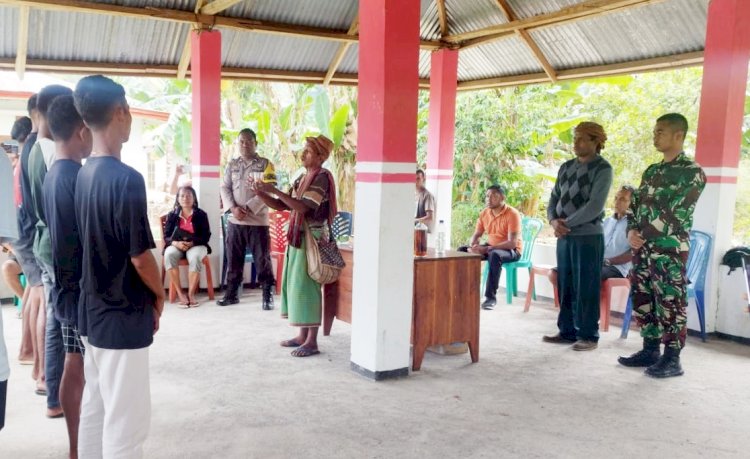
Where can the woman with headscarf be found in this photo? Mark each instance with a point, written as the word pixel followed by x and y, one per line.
pixel 312 200
pixel 186 235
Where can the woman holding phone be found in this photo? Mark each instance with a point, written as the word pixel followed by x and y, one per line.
pixel 186 235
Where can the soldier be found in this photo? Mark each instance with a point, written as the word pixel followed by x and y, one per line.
pixel 661 216
pixel 248 222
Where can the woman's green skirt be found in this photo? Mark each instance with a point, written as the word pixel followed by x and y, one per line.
pixel 301 298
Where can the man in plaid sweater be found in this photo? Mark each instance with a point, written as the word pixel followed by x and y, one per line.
pixel 575 211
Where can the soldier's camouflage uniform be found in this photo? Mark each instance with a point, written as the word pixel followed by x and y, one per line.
pixel 662 210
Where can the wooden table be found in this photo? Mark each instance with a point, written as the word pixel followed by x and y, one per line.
pixel 445 302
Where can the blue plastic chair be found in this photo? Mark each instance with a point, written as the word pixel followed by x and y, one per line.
pixel 696 269
pixel 530 228
pixel 248 255
pixel 342 225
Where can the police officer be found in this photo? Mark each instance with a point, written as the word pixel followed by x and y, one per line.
pixel 247 227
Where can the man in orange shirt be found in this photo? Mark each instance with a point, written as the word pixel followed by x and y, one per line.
pixel 502 223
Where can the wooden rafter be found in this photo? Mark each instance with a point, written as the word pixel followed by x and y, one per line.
pixel 206 20
pixel 584 10
pixel 182 66
pixel 217 6
pixel 526 38
pixel 623 68
pixel 23 41
pixel 340 53
pixel 442 17
pixel 168 71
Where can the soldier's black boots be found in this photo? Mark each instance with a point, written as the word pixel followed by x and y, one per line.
pixel 267 297
pixel 646 357
pixel 667 366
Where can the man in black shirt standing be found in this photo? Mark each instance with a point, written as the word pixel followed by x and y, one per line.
pixel 73 143
pixel 122 296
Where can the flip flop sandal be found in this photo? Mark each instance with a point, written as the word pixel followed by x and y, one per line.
pixel 40 392
pixel 290 343
pixel 194 304
pixel 56 416
pixel 304 352
pixel 183 305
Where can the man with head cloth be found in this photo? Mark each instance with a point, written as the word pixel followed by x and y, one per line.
pixel 575 211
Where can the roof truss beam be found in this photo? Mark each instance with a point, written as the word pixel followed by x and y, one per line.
pixel 442 17
pixel 623 68
pixel 526 38
pixel 340 53
pixel 23 41
pixel 584 10
pixel 217 6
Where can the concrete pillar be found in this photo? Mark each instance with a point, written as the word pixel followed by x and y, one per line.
pixel 441 133
pixel 722 104
pixel 384 205
pixel 205 71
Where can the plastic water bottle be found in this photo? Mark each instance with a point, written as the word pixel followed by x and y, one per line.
pixel 440 243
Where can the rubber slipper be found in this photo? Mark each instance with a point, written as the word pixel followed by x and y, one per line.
pixel 194 304
pixel 183 305
pixel 290 343
pixel 25 362
pixel 56 416
pixel 40 392
pixel 304 352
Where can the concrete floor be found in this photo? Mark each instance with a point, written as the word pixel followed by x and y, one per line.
pixel 222 387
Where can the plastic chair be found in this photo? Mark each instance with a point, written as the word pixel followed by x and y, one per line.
pixel 342 225
pixel 696 269
pixel 605 298
pixel 184 262
pixel 248 255
pixel 17 302
pixel 541 270
pixel 278 223
pixel 530 228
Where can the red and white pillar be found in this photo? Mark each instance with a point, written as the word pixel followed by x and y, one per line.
pixel 725 67
pixel 384 205
pixel 441 133
pixel 205 71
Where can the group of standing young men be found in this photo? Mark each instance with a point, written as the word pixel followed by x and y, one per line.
pixel 103 298
pixel 658 224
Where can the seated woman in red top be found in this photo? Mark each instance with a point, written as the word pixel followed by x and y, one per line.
pixel 186 235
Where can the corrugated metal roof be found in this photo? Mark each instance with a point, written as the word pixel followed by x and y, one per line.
pixel 506 57
pixel 9 22
pixel 184 5
pixel 98 38
pixel 466 16
pixel 331 14
pixel 650 31
pixel 528 8
pixel 253 50
pixel 659 29
pixel 429 25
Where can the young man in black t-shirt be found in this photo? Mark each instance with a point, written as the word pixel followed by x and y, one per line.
pixel 121 291
pixel 73 143
pixel 33 324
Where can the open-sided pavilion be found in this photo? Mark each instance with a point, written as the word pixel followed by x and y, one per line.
pixel 391 49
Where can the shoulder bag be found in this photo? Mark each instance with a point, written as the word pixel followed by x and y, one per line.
pixel 324 261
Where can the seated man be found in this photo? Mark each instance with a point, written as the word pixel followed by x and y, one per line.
pixel 502 223
pixel 617 256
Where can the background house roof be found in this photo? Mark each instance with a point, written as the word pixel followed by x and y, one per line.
pixel 500 42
